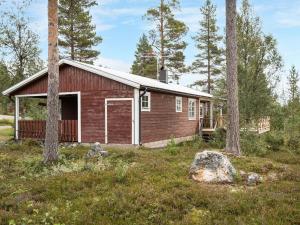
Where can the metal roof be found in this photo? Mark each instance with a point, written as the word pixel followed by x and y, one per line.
pixel 122 77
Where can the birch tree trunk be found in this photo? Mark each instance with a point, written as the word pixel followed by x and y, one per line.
pixel 233 130
pixel 51 141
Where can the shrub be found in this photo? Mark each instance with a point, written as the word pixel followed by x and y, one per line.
pixel 172 147
pixel 253 144
pixel 274 140
pixel 218 138
pixel 293 143
pixel 121 171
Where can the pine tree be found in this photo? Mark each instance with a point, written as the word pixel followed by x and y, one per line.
pixel 233 128
pixel 145 62
pixel 293 80
pixel 5 82
pixel 259 64
pixel 167 36
pixel 209 59
pixel 51 139
pixel 77 34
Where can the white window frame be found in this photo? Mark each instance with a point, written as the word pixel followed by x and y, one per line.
pixel 195 109
pixel 146 109
pixel 176 101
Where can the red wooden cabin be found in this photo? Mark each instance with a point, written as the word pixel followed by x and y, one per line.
pixel 112 107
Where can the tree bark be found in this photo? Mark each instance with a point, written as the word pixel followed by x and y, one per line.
pixel 233 130
pixel 51 141
pixel 162 38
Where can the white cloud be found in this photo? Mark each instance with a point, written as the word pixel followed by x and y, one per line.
pixel 116 64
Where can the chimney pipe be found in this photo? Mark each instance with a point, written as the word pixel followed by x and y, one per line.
pixel 163 75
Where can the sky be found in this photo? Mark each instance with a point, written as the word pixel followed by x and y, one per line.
pixel 120 23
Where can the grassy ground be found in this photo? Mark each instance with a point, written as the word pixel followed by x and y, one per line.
pixel 6 134
pixel 6 122
pixel 142 187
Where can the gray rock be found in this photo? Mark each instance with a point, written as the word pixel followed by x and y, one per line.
pixel 96 151
pixel 212 167
pixel 253 179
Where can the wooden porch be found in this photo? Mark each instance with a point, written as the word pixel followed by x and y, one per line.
pixel 36 129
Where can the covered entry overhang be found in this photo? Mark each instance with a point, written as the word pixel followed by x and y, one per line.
pixel 69 122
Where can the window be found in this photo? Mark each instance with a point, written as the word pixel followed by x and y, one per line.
pixel 192 109
pixel 178 104
pixel 146 102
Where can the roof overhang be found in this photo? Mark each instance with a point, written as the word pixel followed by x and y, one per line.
pixel 71 63
pixel 107 74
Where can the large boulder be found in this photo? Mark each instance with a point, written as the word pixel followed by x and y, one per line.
pixel 212 167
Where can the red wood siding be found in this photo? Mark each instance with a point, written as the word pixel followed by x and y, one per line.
pixel 119 122
pixel 163 122
pixel 36 129
pixel 94 89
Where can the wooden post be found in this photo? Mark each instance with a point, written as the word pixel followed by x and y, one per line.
pixel 17 109
pixel 211 121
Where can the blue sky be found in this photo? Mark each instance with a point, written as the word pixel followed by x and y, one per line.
pixel 120 24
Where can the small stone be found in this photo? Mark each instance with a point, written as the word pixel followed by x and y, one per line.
pixel 212 167
pixel 96 151
pixel 243 173
pixel 253 179
pixel 272 176
pixel 104 153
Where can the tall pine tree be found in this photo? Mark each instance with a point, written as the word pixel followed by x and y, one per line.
pixel 145 62
pixel 293 80
pixel 259 64
pixel 209 59
pixel 77 34
pixel 167 36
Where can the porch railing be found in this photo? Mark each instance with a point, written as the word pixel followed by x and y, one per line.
pixel 217 122
pixel 36 129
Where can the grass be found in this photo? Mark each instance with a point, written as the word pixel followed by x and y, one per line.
pixel 139 186
pixel 6 122
pixel 6 134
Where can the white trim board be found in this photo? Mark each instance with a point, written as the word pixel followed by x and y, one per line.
pixel 132 117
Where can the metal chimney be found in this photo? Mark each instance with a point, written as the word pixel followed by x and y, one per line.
pixel 163 75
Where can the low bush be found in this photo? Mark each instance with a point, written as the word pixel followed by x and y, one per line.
pixel 172 147
pixel 274 140
pixel 121 171
pixel 253 144
pixel 218 138
pixel 293 143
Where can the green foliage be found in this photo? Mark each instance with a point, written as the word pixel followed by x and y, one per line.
pixel 259 65
pixel 145 62
pixel 167 36
pixel 253 144
pixel 77 34
pixel 274 140
pixel 156 190
pixel 6 122
pixel 172 147
pixel 293 80
pixel 210 57
pixel 121 171
pixel 293 143
pixel 19 43
pixel 218 139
